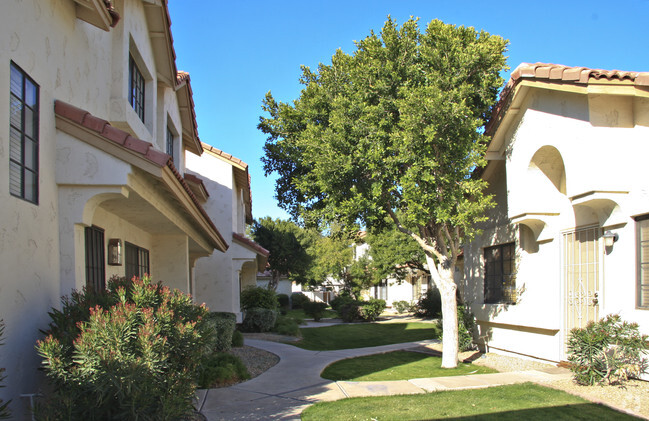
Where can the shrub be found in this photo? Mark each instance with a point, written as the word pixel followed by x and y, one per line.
pixel 298 299
pixel 429 305
pixel 283 301
pixel 133 357
pixel 237 339
pixel 349 311
pixel 4 406
pixel 465 327
pixel 340 301
pixel 314 309
pixel 608 351
pixel 259 320
pixel 224 325
pixel 402 306
pixel 221 369
pixel 371 310
pixel 257 297
pixel 286 326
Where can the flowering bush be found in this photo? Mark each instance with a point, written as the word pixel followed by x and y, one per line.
pixel 131 352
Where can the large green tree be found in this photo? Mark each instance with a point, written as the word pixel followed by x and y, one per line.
pixel 394 130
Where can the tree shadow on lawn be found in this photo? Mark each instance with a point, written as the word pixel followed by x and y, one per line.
pixel 583 411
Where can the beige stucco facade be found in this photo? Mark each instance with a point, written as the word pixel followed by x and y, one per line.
pixel 99 164
pixel 565 160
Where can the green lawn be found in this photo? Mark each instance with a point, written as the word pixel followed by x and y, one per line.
pixel 299 314
pixel 360 335
pixel 514 402
pixel 398 365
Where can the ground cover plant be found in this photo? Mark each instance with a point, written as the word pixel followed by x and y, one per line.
pixel 130 352
pixel 398 365
pixel 513 402
pixel 362 335
pixel 221 369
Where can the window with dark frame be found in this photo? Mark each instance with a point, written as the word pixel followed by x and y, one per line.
pixel 170 145
pixel 23 135
pixel 642 252
pixel 95 260
pixel 500 279
pixel 136 261
pixel 136 88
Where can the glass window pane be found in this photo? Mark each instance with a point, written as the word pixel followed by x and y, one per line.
pixel 15 146
pixel 15 112
pixel 16 82
pixel 31 186
pixel 31 155
pixel 29 122
pixel 15 179
pixel 31 93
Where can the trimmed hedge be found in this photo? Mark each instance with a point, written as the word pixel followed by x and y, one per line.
pixel 314 309
pixel 224 324
pixel 237 339
pixel 259 320
pixel 372 309
pixel 257 297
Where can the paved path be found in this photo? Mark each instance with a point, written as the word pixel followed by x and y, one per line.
pixel 282 392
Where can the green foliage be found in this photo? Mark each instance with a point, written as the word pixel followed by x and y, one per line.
pixel 257 297
pixel 347 307
pixel 608 351
pixel 237 339
pixel 394 255
pixel 134 356
pixel 224 324
pixel 283 301
pixel 466 327
pixel 286 326
pixel 298 299
pixel 429 305
pixel 259 320
pixel 219 369
pixel 314 309
pixel 288 245
pixel 5 413
pixel 371 310
pixel 402 306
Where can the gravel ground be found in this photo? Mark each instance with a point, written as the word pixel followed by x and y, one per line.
pixel 256 360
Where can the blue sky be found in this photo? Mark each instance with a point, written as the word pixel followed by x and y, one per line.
pixel 236 51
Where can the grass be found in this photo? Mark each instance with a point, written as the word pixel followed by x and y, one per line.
pixel 514 402
pixel 298 313
pixel 398 365
pixel 360 335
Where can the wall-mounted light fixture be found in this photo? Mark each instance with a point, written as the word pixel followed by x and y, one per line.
pixel 115 252
pixel 610 238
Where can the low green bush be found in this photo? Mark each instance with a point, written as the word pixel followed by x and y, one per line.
pixel 257 297
pixel 283 301
pixel 135 356
pixel 350 311
pixel 466 327
pixel 224 325
pixel 402 306
pixel 221 369
pixel 237 339
pixel 286 326
pixel 372 309
pixel 429 305
pixel 259 320
pixel 315 309
pixel 4 406
pixel 340 301
pixel 607 351
pixel 298 299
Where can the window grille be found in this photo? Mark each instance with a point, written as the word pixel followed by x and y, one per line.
pixel 95 260
pixel 136 88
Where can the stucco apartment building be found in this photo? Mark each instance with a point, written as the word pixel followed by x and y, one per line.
pixel 568 241
pixel 96 128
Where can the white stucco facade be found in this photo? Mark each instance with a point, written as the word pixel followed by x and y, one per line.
pixel 564 167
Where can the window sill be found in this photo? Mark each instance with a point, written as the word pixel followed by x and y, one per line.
pixel 123 116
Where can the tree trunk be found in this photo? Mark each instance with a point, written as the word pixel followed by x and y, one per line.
pixel 274 281
pixel 443 279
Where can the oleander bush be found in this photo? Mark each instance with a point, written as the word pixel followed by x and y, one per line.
pixel 224 325
pixel 259 320
pixel 315 309
pixel 607 351
pixel 371 310
pixel 221 369
pixel 402 306
pixel 4 406
pixel 130 352
pixel 258 297
pixel 298 299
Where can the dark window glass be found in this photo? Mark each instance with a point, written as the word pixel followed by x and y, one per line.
pixel 23 135
pixel 642 251
pixel 170 145
pixel 136 88
pixel 95 261
pixel 500 280
pixel 137 261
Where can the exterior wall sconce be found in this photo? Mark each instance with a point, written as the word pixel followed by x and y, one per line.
pixel 115 252
pixel 610 238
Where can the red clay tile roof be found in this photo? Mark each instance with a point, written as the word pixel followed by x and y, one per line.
pixel 226 156
pixel 125 140
pixel 557 73
pixel 183 77
pixel 251 244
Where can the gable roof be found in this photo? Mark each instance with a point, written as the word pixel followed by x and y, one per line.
pixel 185 96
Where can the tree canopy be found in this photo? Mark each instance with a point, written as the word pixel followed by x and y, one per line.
pixel 393 130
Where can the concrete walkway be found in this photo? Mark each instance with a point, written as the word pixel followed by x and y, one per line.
pixel 285 390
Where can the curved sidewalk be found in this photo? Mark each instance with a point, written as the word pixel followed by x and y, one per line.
pixel 282 392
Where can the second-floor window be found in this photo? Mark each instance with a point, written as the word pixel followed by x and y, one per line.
pixel 170 145
pixel 23 134
pixel 136 88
